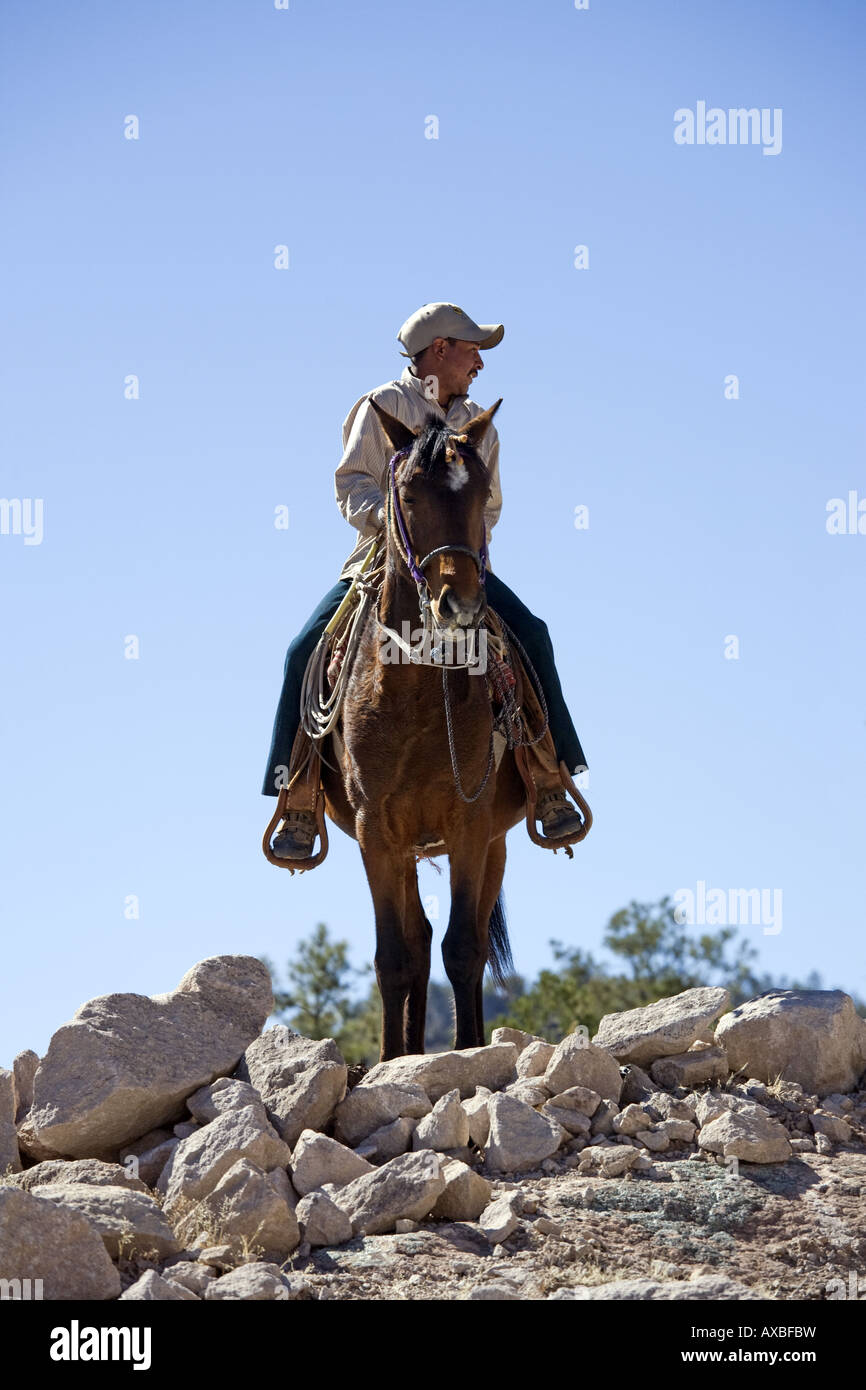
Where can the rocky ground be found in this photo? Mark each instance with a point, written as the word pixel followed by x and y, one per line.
pixel 166 1149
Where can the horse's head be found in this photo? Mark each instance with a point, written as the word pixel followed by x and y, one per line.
pixel 441 488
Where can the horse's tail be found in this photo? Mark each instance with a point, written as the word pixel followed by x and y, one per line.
pixel 499 947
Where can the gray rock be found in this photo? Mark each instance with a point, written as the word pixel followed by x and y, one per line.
pixel 24 1070
pixel 221 1096
pixel 531 1090
pixel 153 1288
pixel 702 1288
pixel 301 1081
pixel 127 1063
pixel 199 1162
pixel 248 1209
pixel 520 1137
pixel 321 1222
pixel 317 1160
pixel 79 1170
pixel 750 1137
pixel 670 1108
pixel 466 1193
pixel 637 1085
pixel 260 1282
pixel 632 1120
pixel 516 1036
pixel 130 1223
pixel 10 1158
pixel 445 1128
pixel 691 1068
pixel 578 1063
pixel 534 1058
pixel 500 1218
pixel 368 1108
pixel 663 1029
pixel 477 1114
pixel 572 1109
pixel 405 1188
pixel 608 1162
pixel 602 1120
pixel 836 1129
pixel 191 1275
pixel 439 1072
pixel 814 1037
pixel 40 1240
pixel 388 1142
pixel 152 1162
pixel 493 1293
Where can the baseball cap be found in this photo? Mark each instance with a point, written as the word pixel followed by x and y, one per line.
pixel 445 321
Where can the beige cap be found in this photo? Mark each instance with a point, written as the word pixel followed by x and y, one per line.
pixel 445 321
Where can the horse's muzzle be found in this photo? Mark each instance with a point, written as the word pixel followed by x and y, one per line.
pixel 452 611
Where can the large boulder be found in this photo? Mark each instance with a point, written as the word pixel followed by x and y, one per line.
pixel 127 1063
pixel 663 1029
pixel 405 1188
pixel 130 1223
pixel 577 1062
pixel 439 1072
pixel 318 1159
pixel 199 1161
pixel 79 1170
pixel 250 1210
pixel 814 1037
pixel 301 1081
pixel 42 1241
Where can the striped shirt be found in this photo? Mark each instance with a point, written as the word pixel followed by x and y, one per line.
pixel 361 480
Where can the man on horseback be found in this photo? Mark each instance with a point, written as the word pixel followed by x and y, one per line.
pixel 444 348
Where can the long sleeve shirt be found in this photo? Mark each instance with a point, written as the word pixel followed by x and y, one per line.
pixel 361 480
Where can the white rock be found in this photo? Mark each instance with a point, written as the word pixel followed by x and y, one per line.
pixel 477 1115
pixel 199 1162
pixel 750 1137
pixel 516 1036
pixel 10 1158
pixel 703 1288
pixel 445 1128
pixel 466 1193
pixel 78 1170
pixel 153 1288
pixel 663 1029
pixel 250 1210
pixel 301 1081
pixel 814 1037
pixel 127 1063
pixel 837 1130
pixel 632 1120
pixel 40 1240
pixel 388 1142
pixel 130 1223
pixel 499 1219
pixel 534 1058
pixel 439 1072
pixel 406 1187
pixel 532 1091
pixel 252 1282
pixel 190 1274
pixel 23 1071
pixel 322 1222
pixel 368 1108
pixel 578 1063
pixel 520 1137
pixel 317 1159
pixel 221 1096
pixel 691 1068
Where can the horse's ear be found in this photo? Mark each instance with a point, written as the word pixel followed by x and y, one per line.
pixel 478 426
pixel 399 434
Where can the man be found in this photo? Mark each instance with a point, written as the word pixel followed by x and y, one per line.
pixel 444 346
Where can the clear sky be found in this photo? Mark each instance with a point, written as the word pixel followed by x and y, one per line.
pixel 154 258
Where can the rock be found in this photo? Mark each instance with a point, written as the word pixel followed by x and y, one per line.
pixel 440 1072
pixel 153 1288
pixel 803 1145
pixel 572 1109
pixel 79 1170
pixel 23 1071
pixel 669 1108
pixel 814 1037
pixel 477 1114
pixel 603 1118
pixel 609 1162
pixel 545 1227
pixel 835 1129
pixel 632 1120
pixel 637 1086
pixel 704 1288
pixel 388 1142
pixel 532 1091
pixel 714 1103
pixel 130 1223
pixel 259 1282
pixel 520 1138
pixel 578 1063
pixel 317 1159
pixel 301 1081
pixel 221 1096
pixel 466 1193
pixel 678 1131
pixel 321 1222
pixel 751 1137
pixel 152 1162
pixel 663 1029
pixel 656 1140
pixel 186 1128
pixel 446 1127
pixel 534 1058
pixel 405 1187
pixel 126 1063
pixel 10 1158
pixel 493 1293
pixel 190 1274
pixel 41 1240
pixel 691 1068
pixel 516 1036
pixel 368 1108
pixel 218 1256
pixel 823 1144
pixel 499 1219
pixel 249 1209
pixel 199 1162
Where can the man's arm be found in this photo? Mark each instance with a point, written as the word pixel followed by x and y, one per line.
pixel 360 479
pixel 493 506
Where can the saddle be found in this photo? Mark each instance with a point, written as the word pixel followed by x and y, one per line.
pixel 520 723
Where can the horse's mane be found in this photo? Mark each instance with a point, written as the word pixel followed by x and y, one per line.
pixel 428 455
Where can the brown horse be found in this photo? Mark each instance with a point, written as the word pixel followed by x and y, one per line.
pixel 395 790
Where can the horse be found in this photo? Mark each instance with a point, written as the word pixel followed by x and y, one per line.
pixel 415 775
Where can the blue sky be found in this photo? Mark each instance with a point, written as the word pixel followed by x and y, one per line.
pixel 707 516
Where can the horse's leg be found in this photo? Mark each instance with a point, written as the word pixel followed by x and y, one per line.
pixel 387 879
pixel 418 933
pixel 494 872
pixel 464 947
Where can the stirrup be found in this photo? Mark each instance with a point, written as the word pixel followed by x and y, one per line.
pixel 280 819
pixel 556 842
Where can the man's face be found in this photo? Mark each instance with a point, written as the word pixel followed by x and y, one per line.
pixel 459 365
